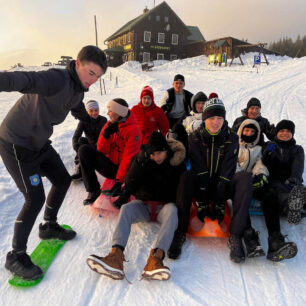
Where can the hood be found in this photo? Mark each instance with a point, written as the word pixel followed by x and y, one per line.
pixel 243 124
pixel 179 151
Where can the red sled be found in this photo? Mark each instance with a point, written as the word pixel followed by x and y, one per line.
pixel 211 228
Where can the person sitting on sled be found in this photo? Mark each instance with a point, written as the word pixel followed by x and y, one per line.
pixel 119 141
pixel 213 152
pixel 153 176
pixel 284 194
pixel 149 116
pixel 92 129
pixel 27 153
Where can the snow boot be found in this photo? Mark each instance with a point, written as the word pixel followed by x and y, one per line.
pixel 237 252
pixel 296 201
pixel 279 249
pixel 91 197
pixel 52 230
pixel 21 265
pixel 77 176
pixel 252 243
pixel 155 268
pixel 175 249
pixel 110 265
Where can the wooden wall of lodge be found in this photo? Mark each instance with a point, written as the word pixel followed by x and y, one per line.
pixel 126 41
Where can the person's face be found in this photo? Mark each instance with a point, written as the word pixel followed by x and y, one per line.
pixel 88 72
pixel 113 117
pixel 284 135
pixel 146 101
pixel 178 86
pixel 93 113
pixel 159 156
pixel 199 106
pixel 214 124
pixel 253 112
pixel 248 131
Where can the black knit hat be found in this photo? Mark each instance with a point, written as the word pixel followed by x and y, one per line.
pixel 253 102
pixel 213 107
pixel 199 96
pixel 179 77
pixel 285 124
pixel 157 142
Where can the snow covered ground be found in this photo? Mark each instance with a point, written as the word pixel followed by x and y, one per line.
pixel 203 275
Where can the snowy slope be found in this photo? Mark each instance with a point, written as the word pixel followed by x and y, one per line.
pixel 203 275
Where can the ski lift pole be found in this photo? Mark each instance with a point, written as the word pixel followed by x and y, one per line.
pixel 97 46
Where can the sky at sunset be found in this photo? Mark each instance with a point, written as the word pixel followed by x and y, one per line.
pixel 35 31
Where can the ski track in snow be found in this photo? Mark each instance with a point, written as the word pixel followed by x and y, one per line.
pixel 203 275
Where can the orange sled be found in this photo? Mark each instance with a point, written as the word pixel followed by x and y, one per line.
pixel 210 228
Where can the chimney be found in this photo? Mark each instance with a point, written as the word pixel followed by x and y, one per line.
pixel 145 10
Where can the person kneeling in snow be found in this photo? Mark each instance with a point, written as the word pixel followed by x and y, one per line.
pixel 118 143
pixel 153 176
pixel 92 129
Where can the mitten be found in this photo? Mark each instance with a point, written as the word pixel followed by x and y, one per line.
pixel 110 129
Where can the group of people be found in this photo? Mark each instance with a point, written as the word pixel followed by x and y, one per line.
pixel 145 150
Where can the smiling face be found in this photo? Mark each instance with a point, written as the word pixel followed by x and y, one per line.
pixel 178 86
pixel 247 131
pixel 93 113
pixel 88 72
pixel 146 101
pixel 159 156
pixel 113 117
pixel 214 124
pixel 199 106
pixel 284 135
pixel 253 112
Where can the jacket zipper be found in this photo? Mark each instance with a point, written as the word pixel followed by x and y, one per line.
pixel 212 157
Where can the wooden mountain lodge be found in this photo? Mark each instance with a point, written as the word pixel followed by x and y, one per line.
pixel 157 34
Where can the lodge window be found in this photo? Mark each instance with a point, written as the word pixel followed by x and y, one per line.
pixel 157 18
pixel 161 38
pixel 174 39
pixel 147 36
pixel 173 57
pixel 166 19
pixel 160 56
pixel 146 57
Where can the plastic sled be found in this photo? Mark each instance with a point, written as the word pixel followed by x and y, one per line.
pixel 255 208
pixel 211 228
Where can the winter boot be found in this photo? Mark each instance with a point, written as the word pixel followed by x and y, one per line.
pixel 110 265
pixel 91 197
pixel 20 264
pixel 279 249
pixel 77 176
pixel 52 230
pixel 155 268
pixel 175 249
pixel 252 243
pixel 296 201
pixel 237 252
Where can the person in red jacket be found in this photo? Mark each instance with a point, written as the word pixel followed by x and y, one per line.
pixel 119 141
pixel 150 117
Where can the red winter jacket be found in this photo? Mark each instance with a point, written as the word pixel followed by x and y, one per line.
pixel 122 146
pixel 150 119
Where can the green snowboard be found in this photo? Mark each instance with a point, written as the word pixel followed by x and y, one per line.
pixel 42 256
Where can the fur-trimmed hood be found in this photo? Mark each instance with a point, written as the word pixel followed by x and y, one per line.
pixel 179 151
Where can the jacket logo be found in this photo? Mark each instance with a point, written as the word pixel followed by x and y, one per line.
pixel 34 179
pixel 152 119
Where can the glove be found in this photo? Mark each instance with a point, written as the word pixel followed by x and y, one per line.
pixel 218 211
pixel 271 147
pixel 123 199
pixel 203 210
pixel 116 190
pixel 110 129
pixel 259 180
pixel 82 141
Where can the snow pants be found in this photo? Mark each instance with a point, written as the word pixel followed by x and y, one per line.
pixel 240 192
pixel 90 160
pixel 27 167
pixel 136 211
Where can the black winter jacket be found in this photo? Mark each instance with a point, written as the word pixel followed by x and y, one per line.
pixel 91 128
pixel 286 162
pixel 48 98
pixel 214 159
pixel 265 126
pixel 149 181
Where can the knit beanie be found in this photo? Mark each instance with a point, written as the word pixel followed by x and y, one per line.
pixel 156 142
pixel 92 104
pixel 213 107
pixel 213 95
pixel 253 102
pixel 179 77
pixel 200 96
pixel 147 91
pixel 285 124
pixel 118 106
